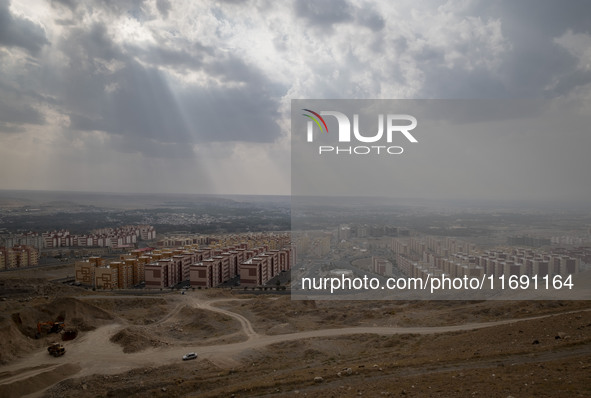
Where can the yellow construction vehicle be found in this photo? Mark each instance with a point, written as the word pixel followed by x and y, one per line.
pixel 56 349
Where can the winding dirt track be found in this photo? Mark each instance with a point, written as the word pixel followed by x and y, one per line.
pixel 94 353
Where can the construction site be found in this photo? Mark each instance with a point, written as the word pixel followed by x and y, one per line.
pixel 59 340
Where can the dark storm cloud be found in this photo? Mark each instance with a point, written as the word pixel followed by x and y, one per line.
pixel 151 148
pixel 135 104
pixel 535 60
pixel 134 8
pixel 139 104
pixel 548 18
pixel 233 69
pixel 571 81
pixel 140 107
pixel 234 114
pixel 97 44
pixel 70 4
pixel 370 19
pixel 82 122
pixel 191 57
pixel 65 22
pixel 16 106
pixel 454 83
pixel 164 7
pixel 20 32
pixel 144 107
pixel 323 14
pixel 533 66
pixel 10 128
pixel 19 112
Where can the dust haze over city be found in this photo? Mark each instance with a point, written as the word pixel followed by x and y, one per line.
pixel 194 200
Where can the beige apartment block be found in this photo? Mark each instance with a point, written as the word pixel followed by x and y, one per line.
pixel 106 278
pixel 84 272
pixel 7 258
pixel 18 256
pixel 202 266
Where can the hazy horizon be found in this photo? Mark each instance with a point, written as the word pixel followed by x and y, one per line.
pixel 101 199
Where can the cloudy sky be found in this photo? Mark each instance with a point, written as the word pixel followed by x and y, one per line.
pixel 194 96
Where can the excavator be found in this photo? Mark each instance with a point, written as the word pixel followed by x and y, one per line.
pixel 45 328
pixel 49 327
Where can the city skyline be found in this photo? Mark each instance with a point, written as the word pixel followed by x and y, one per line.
pixel 185 97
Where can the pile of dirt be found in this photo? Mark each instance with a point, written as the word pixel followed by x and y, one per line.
pixel 269 313
pixel 190 324
pixel 137 310
pixel 134 339
pixel 12 341
pixel 69 334
pixel 208 322
pixel 78 314
pixel 74 313
pixel 18 322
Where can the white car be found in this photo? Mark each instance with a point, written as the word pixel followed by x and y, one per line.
pixel 189 356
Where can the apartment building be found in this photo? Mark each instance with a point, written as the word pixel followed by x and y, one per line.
pixel 204 267
pixel 18 256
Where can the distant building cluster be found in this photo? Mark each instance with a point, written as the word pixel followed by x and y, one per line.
pixel 536 241
pixel 349 231
pixel 256 258
pixel 29 239
pixel 106 237
pixel 583 254
pixel 381 266
pixel 18 256
pixel 430 256
pixel 442 247
pixel 533 241
pixel 317 245
pixel 274 241
pixel 183 240
pixel 568 240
